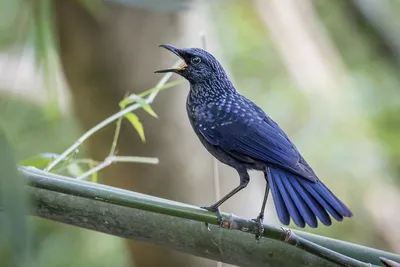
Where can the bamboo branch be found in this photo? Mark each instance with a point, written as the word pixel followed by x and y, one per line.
pixel 389 263
pixel 131 201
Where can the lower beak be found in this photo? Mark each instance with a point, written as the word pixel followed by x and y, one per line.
pixel 176 51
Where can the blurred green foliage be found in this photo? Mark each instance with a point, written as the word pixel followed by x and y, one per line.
pixel 14 232
pixel 52 244
pixel 32 131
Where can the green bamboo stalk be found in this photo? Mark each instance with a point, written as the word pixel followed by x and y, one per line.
pixel 352 255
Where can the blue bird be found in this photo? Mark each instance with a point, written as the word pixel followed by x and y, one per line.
pixel 239 133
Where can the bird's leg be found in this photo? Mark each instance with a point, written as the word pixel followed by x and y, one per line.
pixel 260 216
pixel 244 180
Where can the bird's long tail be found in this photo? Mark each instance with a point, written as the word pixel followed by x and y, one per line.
pixel 303 200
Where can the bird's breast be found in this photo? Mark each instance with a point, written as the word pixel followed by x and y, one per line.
pixel 220 110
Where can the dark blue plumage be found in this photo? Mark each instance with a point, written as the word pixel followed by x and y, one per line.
pixel 238 133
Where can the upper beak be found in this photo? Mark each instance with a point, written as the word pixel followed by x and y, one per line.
pixel 177 52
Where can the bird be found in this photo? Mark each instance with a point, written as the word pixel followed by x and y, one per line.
pixel 241 135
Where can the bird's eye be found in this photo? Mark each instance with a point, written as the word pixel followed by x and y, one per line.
pixel 195 60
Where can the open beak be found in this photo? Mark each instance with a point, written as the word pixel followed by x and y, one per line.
pixel 176 51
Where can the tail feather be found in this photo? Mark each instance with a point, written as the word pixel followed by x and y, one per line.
pixel 323 202
pixel 287 199
pixel 283 213
pixel 303 200
pixel 314 205
pixel 304 209
pixel 345 211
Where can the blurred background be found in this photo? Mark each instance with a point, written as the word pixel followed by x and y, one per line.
pixel 327 71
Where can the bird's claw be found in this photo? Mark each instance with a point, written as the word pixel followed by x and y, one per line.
pixel 260 227
pixel 220 219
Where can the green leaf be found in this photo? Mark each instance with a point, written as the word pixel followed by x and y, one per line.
pixel 135 98
pixel 134 120
pixel 155 89
pixel 125 102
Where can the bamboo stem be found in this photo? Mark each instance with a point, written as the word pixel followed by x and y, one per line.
pixel 40 179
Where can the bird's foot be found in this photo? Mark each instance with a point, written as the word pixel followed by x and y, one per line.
pixel 260 227
pixel 220 219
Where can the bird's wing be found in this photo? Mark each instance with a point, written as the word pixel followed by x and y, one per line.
pixel 261 140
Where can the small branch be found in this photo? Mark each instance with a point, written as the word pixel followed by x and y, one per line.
pixel 319 246
pixel 97 168
pixel 111 119
pixel 113 159
pixel 134 159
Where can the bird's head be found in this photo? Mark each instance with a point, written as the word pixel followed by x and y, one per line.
pixel 198 66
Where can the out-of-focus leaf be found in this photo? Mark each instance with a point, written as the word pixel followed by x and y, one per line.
pixel 45 50
pixel 135 98
pixel 39 161
pixel 43 31
pixel 134 120
pixel 75 170
pixel 13 204
pixel 158 5
pixel 14 26
pixel 95 7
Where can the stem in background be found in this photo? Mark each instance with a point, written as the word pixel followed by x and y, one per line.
pixel 111 119
pixel 120 197
pixel 116 136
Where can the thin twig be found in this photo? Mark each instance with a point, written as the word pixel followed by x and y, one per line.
pixel 116 136
pixel 134 159
pixel 89 162
pixel 110 119
pixel 113 159
pixel 99 167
